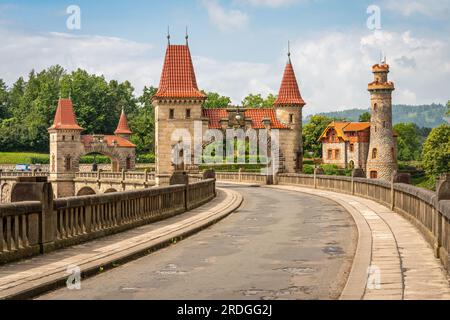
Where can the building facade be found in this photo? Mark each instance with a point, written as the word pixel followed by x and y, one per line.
pixel 68 145
pixel 372 146
pixel 179 114
pixel 346 144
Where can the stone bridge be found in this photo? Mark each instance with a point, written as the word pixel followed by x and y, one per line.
pixel 88 183
pixel 295 236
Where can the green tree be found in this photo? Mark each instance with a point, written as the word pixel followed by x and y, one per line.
pixel 447 113
pixel 216 101
pixel 312 132
pixel 142 122
pixel 365 117
pixel 3 100
pixel 409 141
pixel 436 152
pixel 257 101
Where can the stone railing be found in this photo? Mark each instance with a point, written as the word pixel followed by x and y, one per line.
pixel 241 177
pixel 30 228
pixel 428 211
pixel 16 174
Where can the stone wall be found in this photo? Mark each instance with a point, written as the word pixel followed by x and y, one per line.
pixel 428 211
pixel 90 217
pixel 341 162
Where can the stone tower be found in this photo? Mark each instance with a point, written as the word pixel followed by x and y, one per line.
pixel 65 146
pixel 288 107
pixel 178 104
pixel 382 158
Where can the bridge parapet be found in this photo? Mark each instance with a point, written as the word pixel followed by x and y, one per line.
pixel 429 211
pixel 79 219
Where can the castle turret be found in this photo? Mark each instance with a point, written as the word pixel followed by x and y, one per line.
pixel 382 159
pixel 123 130
pixel 288 106
pixel 178 104
pixel 65 145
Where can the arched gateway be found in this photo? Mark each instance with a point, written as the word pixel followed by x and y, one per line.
pixel 67 146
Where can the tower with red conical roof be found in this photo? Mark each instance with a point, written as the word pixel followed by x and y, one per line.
pixel 65 145
pixel 123 130
pixel 288 106
pixel 178 105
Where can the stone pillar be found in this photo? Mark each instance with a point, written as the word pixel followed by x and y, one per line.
pixel 39 189
pixel 182 178
pixel 443 187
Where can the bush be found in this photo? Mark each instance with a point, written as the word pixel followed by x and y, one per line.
pixel 145 158
pixel 40 159
pixel 308 169
pixel 89 159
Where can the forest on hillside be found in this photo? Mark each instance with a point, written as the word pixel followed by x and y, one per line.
pixel 424 116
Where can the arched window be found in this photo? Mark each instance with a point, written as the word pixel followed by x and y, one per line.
pixel 373 175
pixel 68 163
pixel 351 165
pixel 375 153
pixel 128 163
pixel 375 107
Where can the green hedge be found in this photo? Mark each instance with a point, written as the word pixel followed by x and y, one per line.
pixel 89 159
pixel 145 158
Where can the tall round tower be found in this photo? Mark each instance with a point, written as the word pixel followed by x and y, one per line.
pixel 382 158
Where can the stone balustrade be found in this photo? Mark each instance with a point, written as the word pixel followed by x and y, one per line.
pixel 428 211
pixel 30 228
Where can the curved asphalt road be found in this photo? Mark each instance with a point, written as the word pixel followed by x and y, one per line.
pixel 278 245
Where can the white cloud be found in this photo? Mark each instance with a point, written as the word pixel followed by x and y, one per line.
pixel 225 20
pixel 115 58
pixel 268 3
pixel 333 68
pixel 430 8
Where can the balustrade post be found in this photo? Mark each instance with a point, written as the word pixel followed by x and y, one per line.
pixel 315 178
pixel 353 182
pixel 240 175
pixel 39 189
pixel 393 191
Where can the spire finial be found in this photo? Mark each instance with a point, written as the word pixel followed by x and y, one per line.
pixel 187 36
pixel 168 35
pixel 289 51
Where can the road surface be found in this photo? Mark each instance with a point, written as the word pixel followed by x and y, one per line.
pixel 278 245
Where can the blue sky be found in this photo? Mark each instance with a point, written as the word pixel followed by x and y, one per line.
pixel 239 46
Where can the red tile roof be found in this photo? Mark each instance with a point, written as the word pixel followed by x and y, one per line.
pixel 256 115
pixel 357 126
pixel 214 116
pixel 178 76
pixel 65 116
pixel 120 142
pixel 123 127
pixel 289 92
